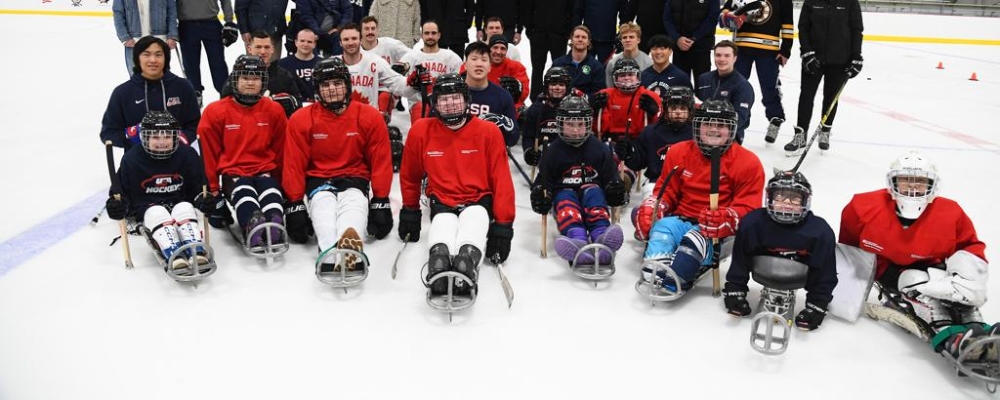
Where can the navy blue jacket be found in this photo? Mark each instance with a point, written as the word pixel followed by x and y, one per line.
pixel 651 147
pixel 147 182
pixel 361 9
pixel 567 167
pixel 312 12
pixel 811 241
pixel 733 88
pixel 261 15
pixel 601 16
pixel 660 81
pixel 588 75
pixel 494 99
pixel 692 19
pixel 539 122
pixel 131 100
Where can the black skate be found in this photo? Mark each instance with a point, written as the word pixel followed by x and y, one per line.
pixel 798 143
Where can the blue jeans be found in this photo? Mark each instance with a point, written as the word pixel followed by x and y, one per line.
pixel 770 84
pixel 192 35
pixel 128 60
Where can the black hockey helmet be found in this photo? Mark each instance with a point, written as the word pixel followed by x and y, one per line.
pixel 159 124
pixel 714 115
pixel 678 96
pixel 789 197
pixel 574 109
pixel 626 66
pixel 447 84
pixel 248 65
pixel 328 69
pixel 556 75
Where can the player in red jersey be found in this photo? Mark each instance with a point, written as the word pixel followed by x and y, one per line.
pixel 468 184
pixel 242 141
pixel 335 149
pixel 926 250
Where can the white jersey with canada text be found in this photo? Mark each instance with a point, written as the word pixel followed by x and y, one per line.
pixel 373 73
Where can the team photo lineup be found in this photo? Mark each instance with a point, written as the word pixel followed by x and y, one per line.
pixel 640 115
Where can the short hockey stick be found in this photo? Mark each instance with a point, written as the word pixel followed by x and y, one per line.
pixel 406 241
pixel 713 204
pixel 508 291
pixel 116 192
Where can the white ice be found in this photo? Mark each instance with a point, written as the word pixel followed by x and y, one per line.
pixel 75 324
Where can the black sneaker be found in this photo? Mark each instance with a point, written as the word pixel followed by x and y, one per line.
pixel 198 93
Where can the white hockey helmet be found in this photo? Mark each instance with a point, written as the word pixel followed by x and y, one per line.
pixel 912 181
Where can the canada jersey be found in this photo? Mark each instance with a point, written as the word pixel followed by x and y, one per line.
pixel 372 73
pixel 741 180
pixel 622 114
pixel 389 49
pixel 241 141
pixel 440 62
pixel 462 166
pixel 869 222
pixel 322 144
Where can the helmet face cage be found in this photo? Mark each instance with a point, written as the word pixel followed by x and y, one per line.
pixel 331 69
pixel 156 126
pixel 627 87
pixel 789 199
pixel 556 75
pixel 709 123
pixel 574 114
pixel 678 96
pixel 446 84
pixel 248 66
pixel 912 182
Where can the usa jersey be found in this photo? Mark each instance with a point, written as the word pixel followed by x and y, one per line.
pixel 493 99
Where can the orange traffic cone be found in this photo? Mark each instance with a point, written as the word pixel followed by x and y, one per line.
pixel 973 77
pixel 940 65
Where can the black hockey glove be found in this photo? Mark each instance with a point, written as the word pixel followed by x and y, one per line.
pixel 811 317
pixel 297 222
pixel 624 148
pixel 598 101
pixel 810 64
pixel 512 85
pixel 230 34
pixel 736 301
pixel 399 67
pixel 215 207
pixel 409 224
pixel 379 217
pixel 614 193
pixel 420 79
pixel 541 201
pixel 531 156
pixel 115 208
pixel 288 102
pixel 498 242
pixel 854 68
pixel 647 104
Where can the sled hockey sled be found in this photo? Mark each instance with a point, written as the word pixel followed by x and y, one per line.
pixel 771 327
pixel 350 267
pixel 194 271
pixel 593 271
pixel 855 274
pixel 653 288
pixel 449 302
pixel 269 250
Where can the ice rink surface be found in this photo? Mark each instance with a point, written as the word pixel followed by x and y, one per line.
pixel 75 324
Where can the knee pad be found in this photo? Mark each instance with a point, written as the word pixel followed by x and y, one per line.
pixel 910 280
pixel 156 216
pixel 183 212
pixel 695 245
pixel 244 193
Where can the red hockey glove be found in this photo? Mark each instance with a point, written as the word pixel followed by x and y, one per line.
pixel 718 224
pixel 731 21
pixel 643 216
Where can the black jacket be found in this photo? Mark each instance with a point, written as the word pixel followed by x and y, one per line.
pixel 649 15
pixel 453 17
pixel 262 15
pixel 507 10
pixel 693 19
pixel 601 16
pixel 279 80
pixel 547 16
pixel 831 28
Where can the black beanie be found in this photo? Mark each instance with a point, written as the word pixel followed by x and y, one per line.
pixel 142 45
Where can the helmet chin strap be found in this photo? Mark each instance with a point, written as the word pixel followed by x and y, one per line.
pixel 459 125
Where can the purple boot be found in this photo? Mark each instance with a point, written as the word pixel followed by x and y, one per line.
pixel 567 246
pixel 276 237
pixel 257 239
pixel 611 236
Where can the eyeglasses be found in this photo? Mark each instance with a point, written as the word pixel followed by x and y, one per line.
pixel 792 198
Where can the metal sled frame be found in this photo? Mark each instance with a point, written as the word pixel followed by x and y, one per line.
pixel 343 278
pixel 596 271
pixel 269 250
pixel 450 302
pixel 654 290
pixel 192 275
pixel 776 308
pixel 987 371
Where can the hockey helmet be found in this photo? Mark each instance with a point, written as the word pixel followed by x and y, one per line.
pixel 329 69
pixel 248 66
pixel 626 75
pixel 912 181
pixel 678 96
pixel 157 126
pixel 573 116
pixel 714 126
pixel 556 75
pixel 446 84
pixel 789 197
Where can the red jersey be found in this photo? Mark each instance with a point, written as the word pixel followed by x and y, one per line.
pixel 869 221
pixel 462 166
pixel 741 180
pixel 242 141
pixel 514 69
pixel 323 144
pixel 621 107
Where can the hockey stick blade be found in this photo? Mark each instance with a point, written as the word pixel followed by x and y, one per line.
pixel 395 263
pixel 508 291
